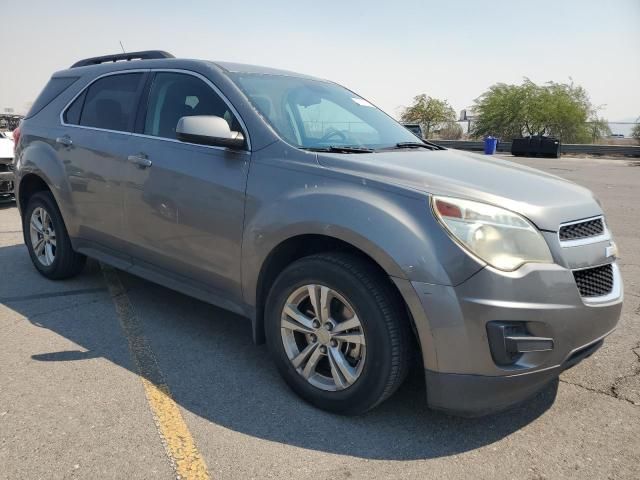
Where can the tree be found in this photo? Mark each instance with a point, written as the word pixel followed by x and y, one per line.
pixel 635 132
pixel 556 109
pixel 450 131
pixel 431 113
pixel 598 128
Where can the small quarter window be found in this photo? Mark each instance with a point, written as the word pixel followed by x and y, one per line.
pixel 72 115
pixel 55 87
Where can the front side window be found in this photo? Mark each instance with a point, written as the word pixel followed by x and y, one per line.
pixel 109 103
pixel 316 114
pixel 176 95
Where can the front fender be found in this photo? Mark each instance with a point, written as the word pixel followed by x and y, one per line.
pixel 397 230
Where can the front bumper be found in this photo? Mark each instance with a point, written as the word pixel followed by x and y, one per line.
pixel 462 375
pixel 477 395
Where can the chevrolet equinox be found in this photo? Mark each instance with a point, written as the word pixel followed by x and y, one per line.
pixel 352 245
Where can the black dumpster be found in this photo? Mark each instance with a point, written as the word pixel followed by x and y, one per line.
pixel 535 146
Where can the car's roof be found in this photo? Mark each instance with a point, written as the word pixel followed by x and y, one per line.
pixel 232 67
pixel 226 67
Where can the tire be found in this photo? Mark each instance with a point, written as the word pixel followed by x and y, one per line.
pixel 357 290
pixel 63 262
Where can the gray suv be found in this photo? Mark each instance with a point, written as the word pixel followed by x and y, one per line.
pixel 353 247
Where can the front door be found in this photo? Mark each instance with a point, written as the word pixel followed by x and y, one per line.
pixel 184 203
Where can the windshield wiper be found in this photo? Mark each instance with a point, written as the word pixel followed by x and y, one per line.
pixel 339 149
pixel 425 144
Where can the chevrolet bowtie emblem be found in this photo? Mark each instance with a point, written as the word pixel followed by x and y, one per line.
pixel 611 250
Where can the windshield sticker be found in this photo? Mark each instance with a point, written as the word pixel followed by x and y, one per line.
pixel 362 101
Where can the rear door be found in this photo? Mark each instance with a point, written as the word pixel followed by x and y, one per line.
pixel 94 146
pixel 184 203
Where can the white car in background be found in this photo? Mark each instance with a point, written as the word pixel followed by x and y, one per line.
pixel 6 166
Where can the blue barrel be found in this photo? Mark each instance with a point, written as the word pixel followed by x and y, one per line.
pixel 490 145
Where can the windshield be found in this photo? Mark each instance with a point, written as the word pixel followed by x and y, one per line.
pixel 317 115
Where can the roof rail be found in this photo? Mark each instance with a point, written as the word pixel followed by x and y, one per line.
pixel 145 55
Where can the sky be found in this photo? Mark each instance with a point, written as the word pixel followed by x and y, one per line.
pixel 386 51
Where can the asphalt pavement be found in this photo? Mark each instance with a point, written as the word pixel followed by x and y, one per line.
pixel 76 400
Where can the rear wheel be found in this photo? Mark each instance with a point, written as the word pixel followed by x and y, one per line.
pixel 337 332
pixel 47 240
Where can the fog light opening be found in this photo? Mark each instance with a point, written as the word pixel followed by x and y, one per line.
pixel 508 341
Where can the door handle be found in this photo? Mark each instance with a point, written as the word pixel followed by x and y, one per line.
pixel 140 159
pixel 65 140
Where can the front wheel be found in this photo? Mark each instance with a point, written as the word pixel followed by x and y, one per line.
pixel 337 332
pixel 47 240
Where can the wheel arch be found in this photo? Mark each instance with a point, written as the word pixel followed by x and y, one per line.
pixel 30 184
pixel 298 246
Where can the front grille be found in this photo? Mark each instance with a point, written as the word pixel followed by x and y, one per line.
pixel 588 228
pixel 594 282
pixel 6 167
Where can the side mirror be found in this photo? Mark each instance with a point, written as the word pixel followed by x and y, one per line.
pixel 208 130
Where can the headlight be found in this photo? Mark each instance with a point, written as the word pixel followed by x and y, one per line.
pixel 503 239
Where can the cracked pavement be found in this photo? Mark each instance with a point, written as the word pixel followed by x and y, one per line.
pixel 73 406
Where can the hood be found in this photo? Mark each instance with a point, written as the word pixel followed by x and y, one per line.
pixel 546 200
pixel 6 148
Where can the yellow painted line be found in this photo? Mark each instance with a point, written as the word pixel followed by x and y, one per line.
pixel 176 438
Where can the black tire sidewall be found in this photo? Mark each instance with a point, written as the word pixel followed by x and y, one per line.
pixel 370 386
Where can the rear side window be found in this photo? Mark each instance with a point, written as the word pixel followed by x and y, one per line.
pixel 109 103
pixel 177 95
pixel 55 87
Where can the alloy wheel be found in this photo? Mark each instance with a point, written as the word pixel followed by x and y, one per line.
pixel 323 337
pixel 43 236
